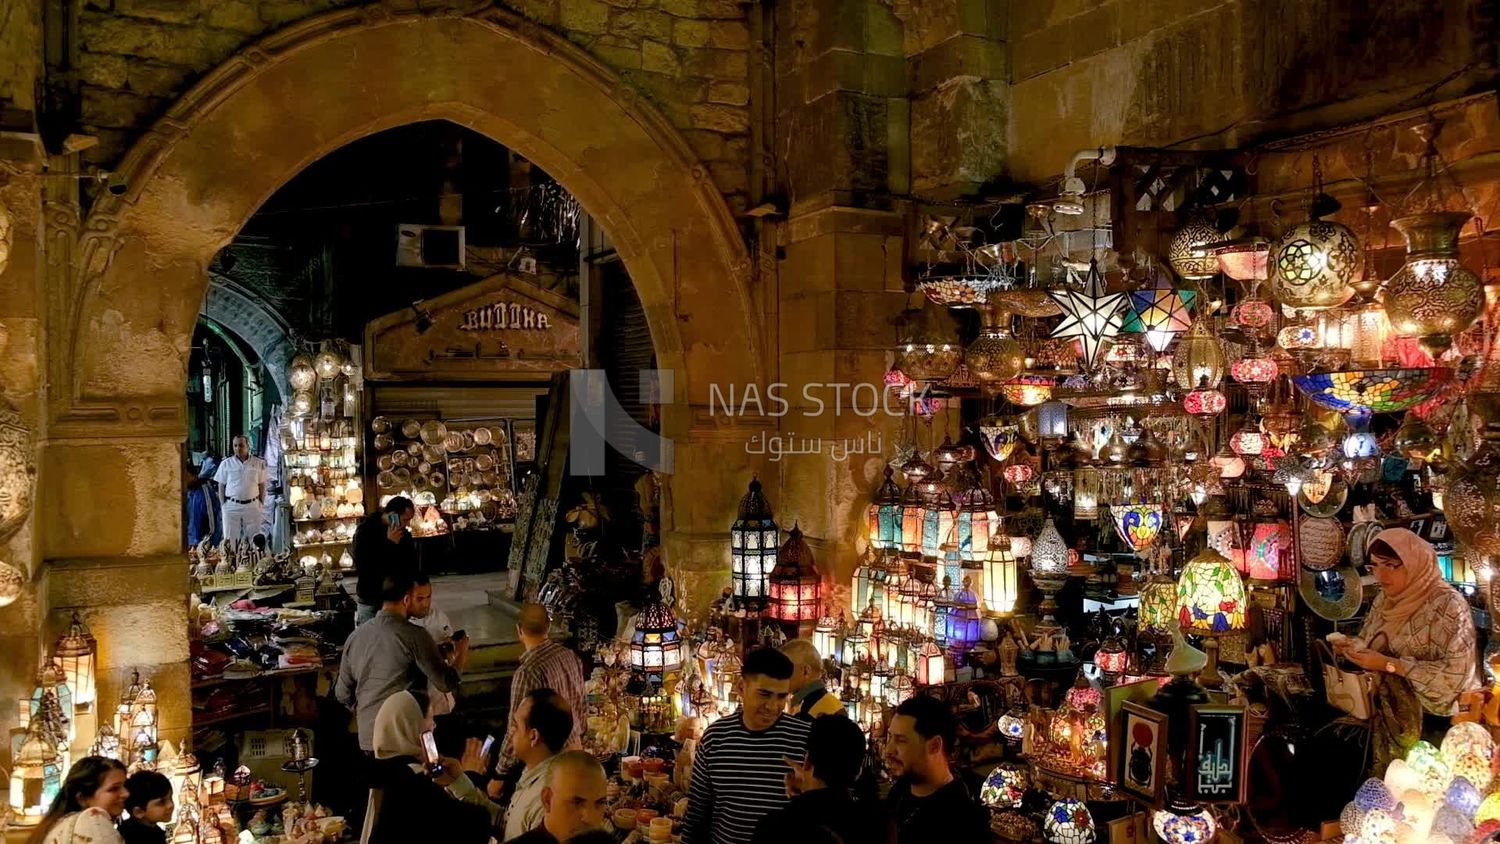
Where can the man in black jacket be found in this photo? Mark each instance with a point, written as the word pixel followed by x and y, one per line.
pixel 928 803
pixel 381 546
pixel 823 810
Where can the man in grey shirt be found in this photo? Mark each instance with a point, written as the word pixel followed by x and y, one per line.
pixel 389 654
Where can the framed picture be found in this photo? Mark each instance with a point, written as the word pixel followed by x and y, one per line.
pixel 1115 698
pixel 1143 754
pixel 1216 756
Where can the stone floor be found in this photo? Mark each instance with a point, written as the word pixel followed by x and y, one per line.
pixel 466 600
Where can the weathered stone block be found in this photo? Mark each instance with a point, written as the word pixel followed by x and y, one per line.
pixel 643 23
pixel 280 12
pixel 839 152
pixel 104 71
pixel 659 58
pixel 139 513
pixel 141 38
pixel 714 9
pixel 587 16
pixel 728 93
pixel 958 136
pixel 1040 52
pixel 966 55
pixel 690 33
pixel 237 15
pixel 717 64
pixel 719 118
pixel 729 35
pixel 118 109
pixel 730 176
pixel 622 58
pixel 1094 31
pixel 158 80
pixel 708 146
pixel 169 11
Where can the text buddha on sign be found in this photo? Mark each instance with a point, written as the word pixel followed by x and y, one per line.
pixel 504 316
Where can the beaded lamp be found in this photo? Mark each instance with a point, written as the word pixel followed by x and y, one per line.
pixel 795 586
pixel 753 542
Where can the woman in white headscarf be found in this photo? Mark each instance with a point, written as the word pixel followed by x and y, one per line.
pixel 405 800
pixel 1419 630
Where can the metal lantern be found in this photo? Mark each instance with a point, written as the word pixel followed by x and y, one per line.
pixel 884 515
pixel 977 521
pixel 75 652
pixel 35 776
pixel 753 540
pixel 656 645
pixel 300 374
pixel 869 582
pixel 50 680
pixel 1187 253
pixel 1433 296
pixel 1052 421
pixel 963 619
pixel 1049 553
pixel 1198 363
pixel 931 667
pixel 1091 316
pixel 938 517
pixel 1001 583
pixel 1313 265
pixel 995 357
pixel 795 587
pixel 825 636
pixel 928 350
pixel 328 364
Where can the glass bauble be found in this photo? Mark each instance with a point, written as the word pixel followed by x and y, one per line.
pixel 1314 264
pixel 327 365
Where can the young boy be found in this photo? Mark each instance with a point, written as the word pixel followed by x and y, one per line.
pixel 148 804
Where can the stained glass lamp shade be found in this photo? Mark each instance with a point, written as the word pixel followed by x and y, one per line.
pixel 938 517
pixel 1254 371
pixel 869 583
pixel 1006 786
pixel 884 515
pixel 1361 392
pixel 1184 825
pixel 1001 583
pixel 960 290
pixel 656 646
pixel 1161 313
pixel 1210 595
pixel 1000 439
pixel 753 542
pixel 1269 544
pixel 1028 390
pixel 913 521
pixel 1091 316
pixel 75 652
pixel 1138 524
pixel 1068 822
pixel 1204 402
pixel 977 523
pixel 795 586
pixel 1158 604
pixel 931 668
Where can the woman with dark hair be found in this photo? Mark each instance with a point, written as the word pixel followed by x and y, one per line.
pixel 85 809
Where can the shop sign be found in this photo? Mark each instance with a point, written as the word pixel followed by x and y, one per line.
pixel 504 316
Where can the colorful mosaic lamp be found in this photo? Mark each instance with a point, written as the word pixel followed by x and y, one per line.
pixel 1184 824
pixel 1210 603
pixel 1068 822
pixel 1049 568
pixel 1006 786
pixel 753 541
pixel 1000 438
pixel 884 514
pixel 1366 391
pixel 795 586
pixel 1028 390
pixel 656 645
pixel 1161 313
pixel 1138 524
pixel 977 521
pixel 869 583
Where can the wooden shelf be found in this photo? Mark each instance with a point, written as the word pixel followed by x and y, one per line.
pixel 232 716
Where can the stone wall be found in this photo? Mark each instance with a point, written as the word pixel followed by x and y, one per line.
pixel 690 58
pixel 1226 73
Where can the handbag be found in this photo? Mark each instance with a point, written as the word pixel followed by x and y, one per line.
pixel 1351 690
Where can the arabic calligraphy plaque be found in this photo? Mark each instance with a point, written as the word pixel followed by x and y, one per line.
pixel 1216 754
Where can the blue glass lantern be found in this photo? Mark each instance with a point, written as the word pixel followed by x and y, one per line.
pixel 963 619
pixel 884 515
pixel 656 645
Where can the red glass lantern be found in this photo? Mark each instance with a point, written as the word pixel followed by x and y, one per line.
pixel 1204 402
pixel 1254 371
pixel 1018 473
pixel 1254 314
pixel 796 587
pixel 931 669
pixel 1248 442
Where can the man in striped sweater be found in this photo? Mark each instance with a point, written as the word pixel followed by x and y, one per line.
pixel 741 769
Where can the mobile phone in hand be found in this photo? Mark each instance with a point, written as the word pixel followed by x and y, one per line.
pixel 392 520
pixel 429 750
pixel 484 749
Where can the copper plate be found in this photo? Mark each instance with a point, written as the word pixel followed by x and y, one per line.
pixel 433 431
pixel 411 429
pixel 380 425
pixel 1320 543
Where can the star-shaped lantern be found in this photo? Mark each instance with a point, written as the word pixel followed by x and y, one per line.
pixel 1161 312
pixel 1092 316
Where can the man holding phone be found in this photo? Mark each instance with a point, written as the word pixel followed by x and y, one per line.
pixel 382 545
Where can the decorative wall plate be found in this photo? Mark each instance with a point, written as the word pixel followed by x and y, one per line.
pixel 1320 543
pixel 1360 537
pixel 1323 496
pixel 1334 594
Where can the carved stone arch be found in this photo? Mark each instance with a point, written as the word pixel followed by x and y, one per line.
pixel 245 314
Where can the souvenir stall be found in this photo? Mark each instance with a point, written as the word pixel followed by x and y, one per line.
pixel 453 388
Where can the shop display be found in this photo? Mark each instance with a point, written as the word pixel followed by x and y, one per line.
pixel 458 473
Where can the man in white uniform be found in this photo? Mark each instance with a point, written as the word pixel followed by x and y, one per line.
pixel 242 486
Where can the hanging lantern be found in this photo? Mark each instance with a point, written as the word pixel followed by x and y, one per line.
pixel 1247 441
pixel 884 515
pixel 869 582
pixel 977 521
pixel 795 587
pixel 937 518
pixel 75 652
pixel 1000 439
pixel 1138 524
pixel 1187 252
pixel 1314 263
pixel 1361 441
pixel 928 350
pixel 1017 474
pixel 1028 390
pixel 1086 494
pixel 825 636
pixel 963 619
pixel 50 681
pixel 995 356
pixel 1252 315
pixel 753 540
pixel 931 668
pixel 1162 313
pixel 1254 371
pixel 1433 296
pixel 35 776
pixel 1092 316
pixel 656 645
pixel 328 364
pixel 1204 403
pixel 1052 421
pixel 1247 259
pixel 1049 553
pixel 1001 583
pixel 300 374
pixel 1198 362
pixel 301 405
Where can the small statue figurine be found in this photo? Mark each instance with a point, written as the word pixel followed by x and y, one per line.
pixel 1009 650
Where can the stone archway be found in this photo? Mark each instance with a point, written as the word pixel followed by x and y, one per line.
pixel 119 364
pixel 262 329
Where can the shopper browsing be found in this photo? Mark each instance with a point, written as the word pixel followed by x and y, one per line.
pixel 545 665
pixel 810 698
pixel 148 805
pixel 574 799
pixel 541 725
pixel 928 803
pixel 382 545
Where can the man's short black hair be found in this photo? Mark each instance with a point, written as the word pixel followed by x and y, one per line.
pixel 395 585
pixel 933 718
pixel 398 505
pixel 551 717
pixel 836 750
pixel 144 786
pixel 767 662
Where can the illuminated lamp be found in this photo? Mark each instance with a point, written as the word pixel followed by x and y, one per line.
pixel 869 582
pixel 753 540
pixel 1184 824
pixel 1210 603
pixel 1001 581
pixel 1204 402
pixel 884 515
pixel 1052 421
pixel 1188 252
pixel 1247 259
pixel 928 350
pixel 656 645
pixel 1433 296
pixel 1198 362
pixel 1254 372
pixel 1247 441
pixel 1018 473
pixel 300 374
pixel 328 364
pixel 75 652
pixel 301 405
pixel 949 455
pixel 1006 786
pixel 1314 263
pixel 1028 390
pixel 1158 612
pixel 938 517
pixel 795 587
pixel 977 521
pixel 1086 482
pixel 1162 313
pixel 1270 542
pixel 1068 822
pixel 963 619
pixel 994 357
pixel 1091 316
pixel 51 680
pixel 1000 438
pixel 1112 658
pixel 931 668
pixel 1229 464
pixel 1252 314
pixel 1361 441
pixel 1138 524
pixel 913 522
pixel 35 776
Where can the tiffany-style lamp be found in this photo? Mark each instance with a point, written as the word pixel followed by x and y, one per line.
pixel 1210 603
pixel 1365 391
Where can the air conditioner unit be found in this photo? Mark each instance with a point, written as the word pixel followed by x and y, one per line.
pixel 433 247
